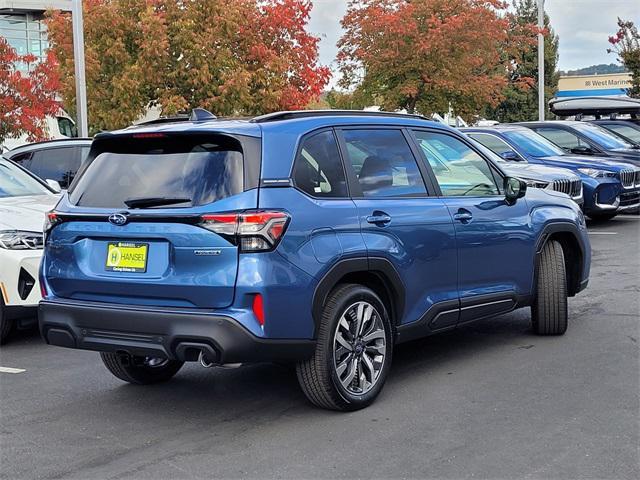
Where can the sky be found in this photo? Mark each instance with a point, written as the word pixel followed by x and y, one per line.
pixel 582 25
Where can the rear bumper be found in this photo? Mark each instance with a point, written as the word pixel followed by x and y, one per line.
pixel 160 332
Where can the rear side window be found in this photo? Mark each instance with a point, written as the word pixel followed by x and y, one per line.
pixel 383 163
pixel 562 138
pixel 162 172
pixel 23 159
pixel 318 169
pixel 495 144
pixel 60 164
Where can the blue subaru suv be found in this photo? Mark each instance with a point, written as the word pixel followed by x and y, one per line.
pixel 323 238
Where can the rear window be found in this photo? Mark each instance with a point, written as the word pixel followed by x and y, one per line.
pixel 162 173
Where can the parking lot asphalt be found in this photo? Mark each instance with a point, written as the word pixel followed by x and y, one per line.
pixel 489 400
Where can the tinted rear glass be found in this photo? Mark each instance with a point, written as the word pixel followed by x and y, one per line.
pixel 197 171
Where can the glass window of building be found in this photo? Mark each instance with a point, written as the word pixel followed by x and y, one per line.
pixel 26 33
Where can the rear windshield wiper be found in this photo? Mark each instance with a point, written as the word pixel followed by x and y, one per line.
pixel 144 202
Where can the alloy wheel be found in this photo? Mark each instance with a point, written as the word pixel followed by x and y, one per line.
pixel 359 348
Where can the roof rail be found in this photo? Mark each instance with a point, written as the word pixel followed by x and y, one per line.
pixel 290 115
pixel 177 118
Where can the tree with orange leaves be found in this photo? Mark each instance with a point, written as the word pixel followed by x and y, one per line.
pixel 232 57
pixel 26 96
pixel 425 55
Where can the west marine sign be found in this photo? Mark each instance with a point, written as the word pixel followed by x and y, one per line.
pixel 594 85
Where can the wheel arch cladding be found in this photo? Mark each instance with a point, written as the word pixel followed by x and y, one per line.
pixel 378 274
pixel 574 250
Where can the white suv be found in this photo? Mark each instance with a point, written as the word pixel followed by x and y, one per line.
pixel 24 199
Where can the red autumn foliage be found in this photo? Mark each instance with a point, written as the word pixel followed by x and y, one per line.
pixel 26 98
pixel 237 57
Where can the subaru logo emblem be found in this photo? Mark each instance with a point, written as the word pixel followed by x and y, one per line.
pixel 118 218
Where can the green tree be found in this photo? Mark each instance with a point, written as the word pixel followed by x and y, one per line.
pixel 521 104
pixel 626 44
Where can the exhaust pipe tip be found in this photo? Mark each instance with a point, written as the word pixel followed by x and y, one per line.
pixel 204 360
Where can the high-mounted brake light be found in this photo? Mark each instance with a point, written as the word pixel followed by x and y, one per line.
pixel 148 135
pixel 252 231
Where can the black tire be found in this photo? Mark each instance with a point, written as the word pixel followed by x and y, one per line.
pixel 549 313
pixel 6 324
pixel 602 217
pixel 319 377
pixel 135 370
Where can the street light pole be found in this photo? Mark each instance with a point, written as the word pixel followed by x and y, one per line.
pixel 78 57
pixel 541 106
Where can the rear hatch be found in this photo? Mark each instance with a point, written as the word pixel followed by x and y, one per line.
pixel 130 230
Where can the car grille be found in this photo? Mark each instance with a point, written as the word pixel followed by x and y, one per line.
pixel 628 178
pixel 629 199
pixel 637 178
pixel 572 188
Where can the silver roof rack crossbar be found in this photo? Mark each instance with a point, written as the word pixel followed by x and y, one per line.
pixel 290 115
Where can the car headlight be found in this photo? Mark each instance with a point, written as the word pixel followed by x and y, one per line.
pixel 536 183
pixel 595 173
pixel 20 240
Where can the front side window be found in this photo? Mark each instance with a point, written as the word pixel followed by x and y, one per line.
pixel 318 169
pixel 459 170
pixel 626 131
pixel 169 172
pixel 383 163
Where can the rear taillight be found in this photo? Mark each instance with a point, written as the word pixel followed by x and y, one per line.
pixel 251 231
pixel 51 219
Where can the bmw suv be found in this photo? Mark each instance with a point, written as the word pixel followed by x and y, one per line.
pixel 324 238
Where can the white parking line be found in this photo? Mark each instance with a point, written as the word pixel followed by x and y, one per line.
pixel 603 233
pixel 11 370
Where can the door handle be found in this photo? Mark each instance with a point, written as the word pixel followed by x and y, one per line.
pixel 463 215
pixel 379 218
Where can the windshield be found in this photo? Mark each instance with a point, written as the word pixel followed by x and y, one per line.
pixel 15 182
pixel 601 136
pixel 164 173
pixel 532 144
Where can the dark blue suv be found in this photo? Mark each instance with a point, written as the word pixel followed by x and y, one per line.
pixel 323 238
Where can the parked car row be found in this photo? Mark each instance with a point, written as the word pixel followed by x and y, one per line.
pixel 610 187
pixel 196 240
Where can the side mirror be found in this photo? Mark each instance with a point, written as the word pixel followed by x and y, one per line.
pixel 514 188
pixel 511 156
pixel 55 186
pixel 582 150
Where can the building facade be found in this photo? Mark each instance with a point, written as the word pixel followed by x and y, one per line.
pixel 22 26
